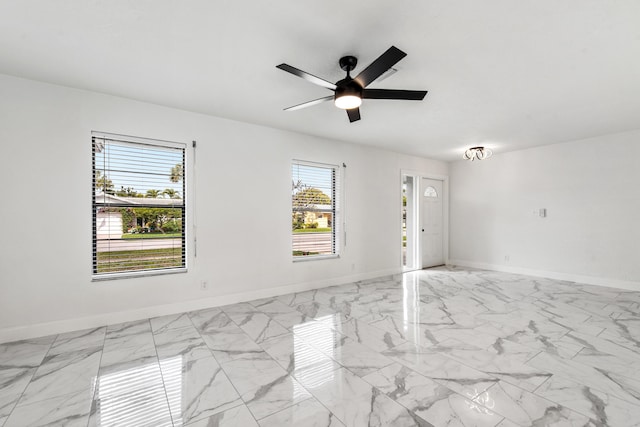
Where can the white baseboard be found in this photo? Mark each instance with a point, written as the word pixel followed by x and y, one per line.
pixel 68 325
pixel 589 280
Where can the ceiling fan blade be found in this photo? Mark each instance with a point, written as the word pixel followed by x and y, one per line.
pixel 415 95
pixel 380 65
pixel 310 103
pixel 308 77
pixel 354 114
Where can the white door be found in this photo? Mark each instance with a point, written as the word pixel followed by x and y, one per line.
pixel 432 223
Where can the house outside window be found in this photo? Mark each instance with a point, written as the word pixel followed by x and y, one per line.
pixel 314 210
pixel 139 206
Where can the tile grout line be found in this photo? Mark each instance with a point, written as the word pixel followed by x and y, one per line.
pixel 97 377
pixel 164 383
pixel 220 365
pixel 15 405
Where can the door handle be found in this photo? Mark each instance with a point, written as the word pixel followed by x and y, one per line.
pixel 423 230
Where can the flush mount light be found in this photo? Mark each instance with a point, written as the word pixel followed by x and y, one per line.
pixel 479 153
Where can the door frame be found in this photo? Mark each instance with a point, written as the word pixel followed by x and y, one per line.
pixel 417 176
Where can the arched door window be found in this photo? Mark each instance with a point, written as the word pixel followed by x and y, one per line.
pixel 430 192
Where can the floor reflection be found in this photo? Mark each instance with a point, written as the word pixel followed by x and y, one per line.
pixel 131 397
pixel 310 368
pixel 411 307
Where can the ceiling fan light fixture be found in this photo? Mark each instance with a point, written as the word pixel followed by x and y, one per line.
pixel 347 102
pixel 349 92
pixel 477 153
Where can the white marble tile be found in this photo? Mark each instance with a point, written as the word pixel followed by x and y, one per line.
pixel 130 394
pixel 25 353
pixel 507 423
pixel 239 312
pixel 261 327
pixel 394 325
pixel 72 372
pixel 314 310
pixel 234 417
pixel 75 341
pixel 291 319
pixel 294 299
pixel 596 378
pixel 272 306
pixel 196 388
pixel 173 321
pixel 211 320
pixel 264 385
pixel 429 400
pixel 603 408
pixel 128 328
pixel 602 345
pixel 127 350
pixel 442 369
pixel 369 336
pixel 356 403
pixel 231 344
pixel 308 413
pixel 622 337
pixel 356 357
pixel 13 381
pixel 274 396
pixel 296 356
pixel 481 336
pixel 504 366
pixel 525 408
pixel 185 342
pixel 65 410
pixel 614 364
pixel 444 346
pixel 517 352
pixel 249 375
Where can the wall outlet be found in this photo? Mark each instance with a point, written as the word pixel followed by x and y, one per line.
pixel 204 285
pixel 353 267
pixel 506 258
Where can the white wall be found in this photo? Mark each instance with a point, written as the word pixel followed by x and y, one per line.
pixel 591 190
pixel 45 213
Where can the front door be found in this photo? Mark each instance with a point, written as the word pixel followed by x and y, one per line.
pixel 432 223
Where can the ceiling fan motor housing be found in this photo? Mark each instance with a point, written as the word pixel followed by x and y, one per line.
pixel 348 87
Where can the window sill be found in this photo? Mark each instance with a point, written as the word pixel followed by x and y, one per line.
pixel 133 274
pixel 315 258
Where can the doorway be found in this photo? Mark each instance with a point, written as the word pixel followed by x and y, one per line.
pixel 432 235
pixel 424 221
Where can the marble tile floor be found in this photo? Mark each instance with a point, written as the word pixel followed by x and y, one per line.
pixel 439 347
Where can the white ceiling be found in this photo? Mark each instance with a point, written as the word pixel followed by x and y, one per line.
pixel 503 73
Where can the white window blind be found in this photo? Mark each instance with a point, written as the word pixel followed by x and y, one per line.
pixel 314 209
pixel 139 215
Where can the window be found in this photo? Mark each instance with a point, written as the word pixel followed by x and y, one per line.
pixel 138 206
pixel 430 192
pixel 314 210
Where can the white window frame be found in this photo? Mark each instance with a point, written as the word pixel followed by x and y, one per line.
pixel 337 221
pixel 95 276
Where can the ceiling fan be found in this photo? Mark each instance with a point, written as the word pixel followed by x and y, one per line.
pixel 349 92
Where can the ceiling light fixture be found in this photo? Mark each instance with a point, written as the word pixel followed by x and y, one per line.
pixel 348 96
pixel 348 102
pixel 479 153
